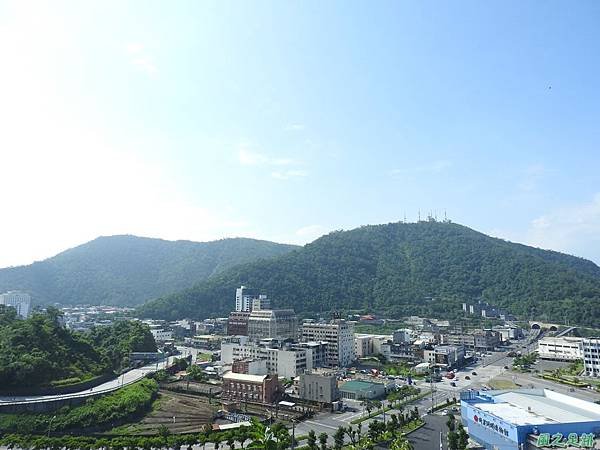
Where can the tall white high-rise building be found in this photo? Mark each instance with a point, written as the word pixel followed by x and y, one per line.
pixel 249 299
pixel 339 336
pixel 21 301
pixel 243 298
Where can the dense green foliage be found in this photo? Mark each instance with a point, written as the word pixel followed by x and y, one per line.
pixel 96 412
pixel 425 268
pixel 120 339
pixel 40 352
pixel 127 270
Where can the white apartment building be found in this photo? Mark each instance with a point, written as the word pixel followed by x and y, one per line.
pixel 21 301
pixel 371 344
pixel 560 348
pixel 288 363
pixel 160 334
pixel 244 297
pixel 339 335
pixel 591 356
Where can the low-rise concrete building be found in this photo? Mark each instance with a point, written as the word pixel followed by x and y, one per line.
pixel 445 356
pixel 560 348
pixel 318 388
pixel 284 359
pixel 359 389
pixel 478 340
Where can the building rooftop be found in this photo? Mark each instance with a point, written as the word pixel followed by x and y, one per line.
pixel 537 406
pixel 359 386
pixel 244 377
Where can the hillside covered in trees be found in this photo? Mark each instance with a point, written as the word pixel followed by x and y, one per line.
pixel 424 268
pixel 38 351
pixel 128 270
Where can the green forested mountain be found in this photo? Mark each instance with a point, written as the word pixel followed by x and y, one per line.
pixel 38 351
pixel 415 268
pixel 127 270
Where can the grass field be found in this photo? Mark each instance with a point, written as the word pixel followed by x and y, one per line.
pixel 502 384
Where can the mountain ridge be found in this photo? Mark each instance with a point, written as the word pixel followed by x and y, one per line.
pixel 395 267
pixel 127 270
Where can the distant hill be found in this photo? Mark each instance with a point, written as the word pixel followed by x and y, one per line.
pixel 127 270
pixel 417 268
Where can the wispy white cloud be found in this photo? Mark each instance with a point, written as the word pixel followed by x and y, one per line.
pixel 573 229
pixel 134 47
pixel 294 127
pixel 146 65
pixel 250 157
pixel 141 59
pixel 434 167
pixel 288 174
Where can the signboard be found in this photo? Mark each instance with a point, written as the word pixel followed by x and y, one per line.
pixel 492 423
pixel 558 440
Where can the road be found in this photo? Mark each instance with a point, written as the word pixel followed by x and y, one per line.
pixel 122 380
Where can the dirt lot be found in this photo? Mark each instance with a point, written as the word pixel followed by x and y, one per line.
pixel 180 413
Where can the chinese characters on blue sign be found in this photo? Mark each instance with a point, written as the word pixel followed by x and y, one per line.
pixel 585 440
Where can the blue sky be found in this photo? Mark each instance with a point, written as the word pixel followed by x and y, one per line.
pixel 285 120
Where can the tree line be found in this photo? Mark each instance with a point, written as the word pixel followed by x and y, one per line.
pixel 40 351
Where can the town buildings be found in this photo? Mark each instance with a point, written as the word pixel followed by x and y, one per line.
pixel 479 340
pixel 237 323
pixel 273 323
pixel 359 389
pixel 529 419
pixel 318 387
pixel 590 348
pixel 339 335
pixel 560 348
pixel 21 301
pixel 244 297
pixel 249 388
pixel 285 359
pixel 445 356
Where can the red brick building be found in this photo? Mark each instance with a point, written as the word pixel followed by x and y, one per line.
pixel 250 388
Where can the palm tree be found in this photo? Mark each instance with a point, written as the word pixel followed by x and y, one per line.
pixel 262 437
pixel 401 443
pixel 323 441
pixel 338 439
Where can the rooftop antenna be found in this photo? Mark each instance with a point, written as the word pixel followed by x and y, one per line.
pixel 419 215
pixel 404 217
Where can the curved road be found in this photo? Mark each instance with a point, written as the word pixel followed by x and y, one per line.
pixel 122 380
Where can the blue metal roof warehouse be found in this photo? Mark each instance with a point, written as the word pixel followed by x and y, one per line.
pixel 529 419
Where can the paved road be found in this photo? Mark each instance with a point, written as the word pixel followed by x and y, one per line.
pixel 428 436
pixel 123 380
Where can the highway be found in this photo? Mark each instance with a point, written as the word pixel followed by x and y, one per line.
pixel 122 380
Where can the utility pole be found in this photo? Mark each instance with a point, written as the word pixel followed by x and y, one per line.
pixel 431 387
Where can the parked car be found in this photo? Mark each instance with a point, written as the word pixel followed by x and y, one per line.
pixel 452 383
pixel 473 373
pixel 467 377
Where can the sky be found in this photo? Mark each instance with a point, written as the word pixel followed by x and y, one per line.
pixel 284 120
